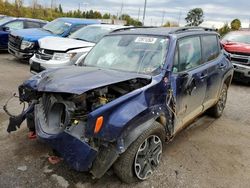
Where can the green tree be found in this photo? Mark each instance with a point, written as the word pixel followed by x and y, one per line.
pixel 235 24
pixel 195 17
pixel 224 29
pixel 171 24
pixel 106 16
pixel 130 21
pixel 60 8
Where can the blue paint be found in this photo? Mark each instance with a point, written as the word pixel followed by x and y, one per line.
pixel 4 34
pixel 126 113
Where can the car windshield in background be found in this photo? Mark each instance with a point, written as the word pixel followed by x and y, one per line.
pixel 90 33
pixel 132 53
pixel 5 20
pixel 237 37
pixel 57 27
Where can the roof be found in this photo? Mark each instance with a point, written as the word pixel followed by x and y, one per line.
pixel 109 26
pixel 30 19
pixel 79 20
pixel 165 31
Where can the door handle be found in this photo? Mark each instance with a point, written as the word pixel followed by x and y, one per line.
pixel 222 65
pixel 203 75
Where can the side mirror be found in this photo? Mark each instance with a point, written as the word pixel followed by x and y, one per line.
pixel 5 28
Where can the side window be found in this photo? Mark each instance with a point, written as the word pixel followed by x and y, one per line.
pixel 188 54
pixel 29 24
pixel 15 25
pixel 211 47
pixel 75 28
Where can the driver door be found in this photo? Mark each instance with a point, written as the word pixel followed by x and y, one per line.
pixel 189 81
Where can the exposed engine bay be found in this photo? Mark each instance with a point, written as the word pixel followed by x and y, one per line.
pixel 59 111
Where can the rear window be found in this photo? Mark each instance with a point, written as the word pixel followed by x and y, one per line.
pixel 210 47
pixel 30 24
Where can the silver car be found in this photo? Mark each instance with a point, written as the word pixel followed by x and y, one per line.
pixel 55 52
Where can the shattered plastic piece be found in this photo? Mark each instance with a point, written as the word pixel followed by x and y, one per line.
pixel 32 135
pixel 54 159
pixel 22 168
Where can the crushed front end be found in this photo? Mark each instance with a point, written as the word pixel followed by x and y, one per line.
pixel 67 121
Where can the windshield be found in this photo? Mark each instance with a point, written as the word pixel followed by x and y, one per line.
pixel 57 27
pixel 90 33
pixel 5 20
pixel 237 37
pixel 133 53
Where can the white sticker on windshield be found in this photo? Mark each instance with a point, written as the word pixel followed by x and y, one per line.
pixel 148 40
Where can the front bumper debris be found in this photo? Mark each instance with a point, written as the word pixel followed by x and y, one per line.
pixel 78 154
pixel 16 121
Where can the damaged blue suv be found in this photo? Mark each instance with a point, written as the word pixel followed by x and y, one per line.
pixel 134 91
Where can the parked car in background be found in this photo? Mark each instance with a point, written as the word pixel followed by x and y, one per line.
pixel 135 89
pixel 55 52
pixel 237 44
pixel 24 43
pixel 8 24
pixel 2 16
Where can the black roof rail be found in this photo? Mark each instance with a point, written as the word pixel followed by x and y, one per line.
pixel 182 29
pixel 132 27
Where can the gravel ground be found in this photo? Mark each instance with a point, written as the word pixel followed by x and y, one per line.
pixel 210 153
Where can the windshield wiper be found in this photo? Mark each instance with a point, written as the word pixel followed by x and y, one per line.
pixel 48 30
pixel 82 39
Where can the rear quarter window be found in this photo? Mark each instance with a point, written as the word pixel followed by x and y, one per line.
pixel 210 47
pixel 29 24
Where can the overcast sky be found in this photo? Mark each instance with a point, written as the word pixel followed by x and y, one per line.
pixel 216 12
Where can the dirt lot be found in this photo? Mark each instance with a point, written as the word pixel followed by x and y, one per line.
pixel 211 153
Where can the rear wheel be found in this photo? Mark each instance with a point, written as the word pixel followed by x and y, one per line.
pixel 142 157
pixel 217 110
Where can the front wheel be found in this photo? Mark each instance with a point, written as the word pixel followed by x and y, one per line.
pixel 142 157
pixel 217 110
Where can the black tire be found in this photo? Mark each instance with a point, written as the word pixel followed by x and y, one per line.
pixel 217 110
pixel 125 167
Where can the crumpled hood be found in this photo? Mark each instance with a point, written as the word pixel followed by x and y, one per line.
pixel 77 80
pixel 236 47
pixel 62 44
pixel 32 34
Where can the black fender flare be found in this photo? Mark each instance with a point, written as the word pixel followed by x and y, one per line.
pixel 126 140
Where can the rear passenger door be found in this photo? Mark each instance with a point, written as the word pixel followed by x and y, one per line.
pixel 189 71
pixel 213 62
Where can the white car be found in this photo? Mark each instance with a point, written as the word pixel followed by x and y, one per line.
pixel 55 52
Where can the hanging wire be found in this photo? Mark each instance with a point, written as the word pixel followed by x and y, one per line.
pixel 5 107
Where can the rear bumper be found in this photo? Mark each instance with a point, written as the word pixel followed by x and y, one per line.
pixel 241 71
pixel 20 54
